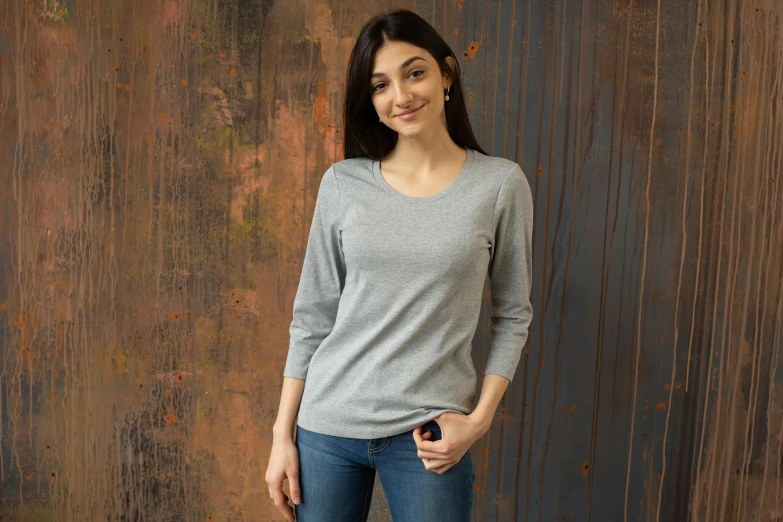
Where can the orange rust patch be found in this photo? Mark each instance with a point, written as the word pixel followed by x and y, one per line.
pixel 472 50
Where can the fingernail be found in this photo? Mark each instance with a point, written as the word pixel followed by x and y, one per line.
pixel 296 501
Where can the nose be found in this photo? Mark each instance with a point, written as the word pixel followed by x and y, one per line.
pixel 402 96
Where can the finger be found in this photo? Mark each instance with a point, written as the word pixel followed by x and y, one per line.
pixel 433 446
pixel 438 465
pixel 418 436
pixel 275 489
pixel 281 503
pixel 429 455
pixel 442 468
pixel 293 485
pixel 289 513
pixel 433 463
pixel 280 499
pixel 437 461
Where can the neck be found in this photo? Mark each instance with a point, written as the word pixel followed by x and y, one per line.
pixel 423 153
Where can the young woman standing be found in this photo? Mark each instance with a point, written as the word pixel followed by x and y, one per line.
pixel 379 375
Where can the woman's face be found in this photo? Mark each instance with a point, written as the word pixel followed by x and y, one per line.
pixel 407 79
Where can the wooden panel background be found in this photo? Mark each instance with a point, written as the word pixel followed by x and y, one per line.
pixel 159 161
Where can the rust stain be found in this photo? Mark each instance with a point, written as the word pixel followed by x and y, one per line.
pixel 472 49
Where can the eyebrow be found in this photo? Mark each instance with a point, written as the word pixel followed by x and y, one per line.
pixel 403 66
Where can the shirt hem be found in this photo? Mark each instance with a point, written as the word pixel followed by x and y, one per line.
pixel 364 434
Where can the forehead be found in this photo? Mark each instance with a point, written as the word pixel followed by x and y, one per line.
pixel 391 55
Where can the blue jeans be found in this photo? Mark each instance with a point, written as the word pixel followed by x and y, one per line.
pixel 337 474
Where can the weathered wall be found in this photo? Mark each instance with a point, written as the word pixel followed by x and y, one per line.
pixel 159 161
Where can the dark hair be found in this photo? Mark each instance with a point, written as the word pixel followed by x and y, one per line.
pixel 365 136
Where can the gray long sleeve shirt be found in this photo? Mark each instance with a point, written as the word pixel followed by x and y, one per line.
pixel 390 295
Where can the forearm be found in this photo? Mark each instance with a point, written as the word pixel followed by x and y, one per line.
pixel 492 391
pixel 290 398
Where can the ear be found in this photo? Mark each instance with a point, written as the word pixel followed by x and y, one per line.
pixel 447 79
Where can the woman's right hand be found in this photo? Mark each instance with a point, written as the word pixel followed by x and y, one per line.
pixel 284 463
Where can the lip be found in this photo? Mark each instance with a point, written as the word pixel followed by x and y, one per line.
pixel 410 115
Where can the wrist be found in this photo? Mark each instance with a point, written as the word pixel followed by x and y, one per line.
pixel 482 422
pixel 282 433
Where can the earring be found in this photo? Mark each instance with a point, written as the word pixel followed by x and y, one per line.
pixel 447 93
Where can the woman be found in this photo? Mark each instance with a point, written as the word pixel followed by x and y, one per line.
pixel 404 232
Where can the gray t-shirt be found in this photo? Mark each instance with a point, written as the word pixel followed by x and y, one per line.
pixel 390 295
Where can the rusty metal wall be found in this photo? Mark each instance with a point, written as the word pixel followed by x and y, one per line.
pixel 159 161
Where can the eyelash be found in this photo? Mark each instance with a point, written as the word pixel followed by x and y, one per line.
pixel 375 87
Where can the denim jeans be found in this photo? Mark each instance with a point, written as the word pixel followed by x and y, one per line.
pixel 336 477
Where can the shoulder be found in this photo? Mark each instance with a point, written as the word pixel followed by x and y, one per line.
pixel 352 167
pixel 349 176
pixel 505 174
pixel 512 189
pixel 498 169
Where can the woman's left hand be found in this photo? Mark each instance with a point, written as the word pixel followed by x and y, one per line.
pixel 458 433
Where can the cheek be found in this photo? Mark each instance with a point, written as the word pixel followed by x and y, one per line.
pixel 380 103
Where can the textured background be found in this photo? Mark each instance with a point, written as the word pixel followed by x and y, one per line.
pixel 159 161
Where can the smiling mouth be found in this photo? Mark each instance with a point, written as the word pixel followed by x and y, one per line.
pixel 409 112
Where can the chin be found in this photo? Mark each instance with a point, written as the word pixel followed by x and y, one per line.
pixel 412 130
pixel 409 133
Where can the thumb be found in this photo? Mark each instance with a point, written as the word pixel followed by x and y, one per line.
pixel 293 484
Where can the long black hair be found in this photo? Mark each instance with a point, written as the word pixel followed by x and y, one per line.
pixel 365 136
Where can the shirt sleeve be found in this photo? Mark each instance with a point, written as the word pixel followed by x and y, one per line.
pixel 510 274
pixel 321 281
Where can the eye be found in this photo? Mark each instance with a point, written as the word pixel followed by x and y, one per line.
pixel 378 86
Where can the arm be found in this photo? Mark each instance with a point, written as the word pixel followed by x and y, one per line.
pixel 290 398
pixel 315 305
pixel 315 309
pixel 510 274
pixel 492 391
pixel 321 281
pixel 284 457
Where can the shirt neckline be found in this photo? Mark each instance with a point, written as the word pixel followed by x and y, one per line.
pixel 376 169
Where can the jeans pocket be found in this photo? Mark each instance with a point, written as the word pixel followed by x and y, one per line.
pixel 433 427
